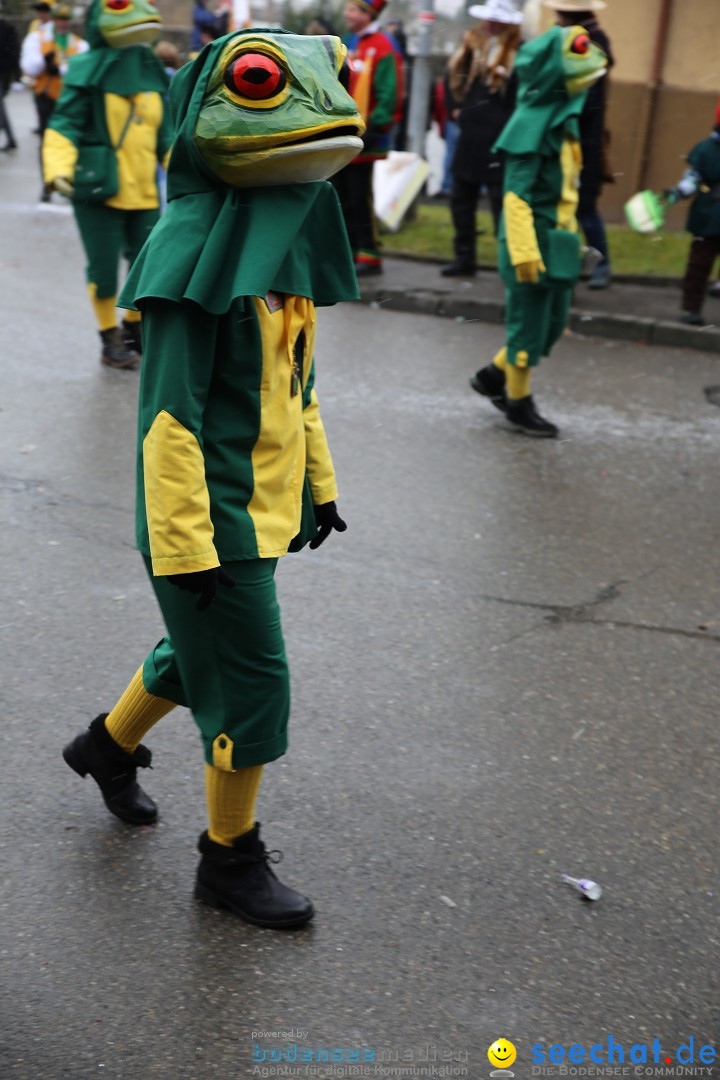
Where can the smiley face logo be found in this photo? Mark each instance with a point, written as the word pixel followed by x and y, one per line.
pixel 502 1053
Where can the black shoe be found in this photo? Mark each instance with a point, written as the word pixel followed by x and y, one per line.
pixel 524 417
pixel 132 336
pixel 714 289
pixel 459 268
pixel 366 269
pixel 692 318
pixel 490 382
pixel 240 878
pixel 113 770
pixel 115 352
pixel 45 193
pixel 10 146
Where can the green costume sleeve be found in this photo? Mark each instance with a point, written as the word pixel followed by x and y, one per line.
pixel 179 342
pixel 165 133
pixel 521 172
pixel 319 466
pixel 385 90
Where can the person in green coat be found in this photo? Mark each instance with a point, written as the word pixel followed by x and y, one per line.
pixel 234 468
pixel 538 243
pixel 701 182
pixel 107 134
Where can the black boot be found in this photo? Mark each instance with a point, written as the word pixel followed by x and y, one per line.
pixel 115 352
pixel 113 770
pixel 240 878
pixel 459 268
pixel 524 417
pixel 132 336
pixel 490 382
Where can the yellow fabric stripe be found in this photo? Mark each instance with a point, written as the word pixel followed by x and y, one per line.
pixel 520 230
pixel 320 471
pixel 517 381
pixel 104 308
pixel 278 457
pixel 177 499
pixel 135 713
pixel 137 157
pixel 59 156
pixel 500 358
pixel 231 798
pixel 571 164
pixel 132 316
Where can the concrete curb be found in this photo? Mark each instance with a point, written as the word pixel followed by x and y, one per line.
pixel 591 324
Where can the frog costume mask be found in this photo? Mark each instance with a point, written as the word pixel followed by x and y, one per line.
pixel 274 116
pixel 539 247
pixel 246 212
pixel 234 468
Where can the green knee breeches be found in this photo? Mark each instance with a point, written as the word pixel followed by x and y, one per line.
pixel 227 664
pixel 107 235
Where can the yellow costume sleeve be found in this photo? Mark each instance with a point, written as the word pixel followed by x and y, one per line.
pixel 59 155
pixel 178 346
pixel 319 466
pixel 522 242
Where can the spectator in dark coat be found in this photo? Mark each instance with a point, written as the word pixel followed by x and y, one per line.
pixel 482 86
pixel 9 71
pixel 593 134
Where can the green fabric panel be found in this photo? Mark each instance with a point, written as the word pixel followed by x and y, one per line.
pixel 538 180
pixel 117 71
pixel 535 316
pixel 107 235
pixel 160 674
pixel 385 89
pixel 227 663
pixel 704 214
pixel 214 247
pixel 543 110
pixel 72 115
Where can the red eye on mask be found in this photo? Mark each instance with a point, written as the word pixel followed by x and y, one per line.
pixel 255 76
pixel 117 5
pixel 580 45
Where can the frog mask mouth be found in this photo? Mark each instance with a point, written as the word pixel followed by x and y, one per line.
pixel 276 113
pixel 123 23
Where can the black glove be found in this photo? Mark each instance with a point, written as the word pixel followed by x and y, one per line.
pixel 50 65
pixel 326 519
pixel 204 582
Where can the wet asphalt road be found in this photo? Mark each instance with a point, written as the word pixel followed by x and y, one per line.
pixel 506 669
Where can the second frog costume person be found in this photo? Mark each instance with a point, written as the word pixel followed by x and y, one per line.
pixel 233 464
pixel 539 246
pixel 111 127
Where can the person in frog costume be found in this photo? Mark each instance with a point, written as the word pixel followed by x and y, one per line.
pixel 113 95
pixel 539 247
pixel 233 464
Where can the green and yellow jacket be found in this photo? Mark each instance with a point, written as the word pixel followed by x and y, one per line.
pixel 232 454
pixel 112 94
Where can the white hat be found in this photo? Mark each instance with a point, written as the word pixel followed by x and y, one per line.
pixel 503 11
pixel 575 5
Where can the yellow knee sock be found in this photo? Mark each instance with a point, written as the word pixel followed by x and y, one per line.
pixel 135 713
pixel 517 384
pixel 132 316
pixel 231 798
pixel 104 308
pixel 500 359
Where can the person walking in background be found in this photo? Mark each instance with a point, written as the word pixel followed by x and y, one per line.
pixel 482 94
pixel 701 182
pixel 44 58
pixel 538 245
pixel 376 86
pixel 110 129
pixel 9 71
pixel 593 135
